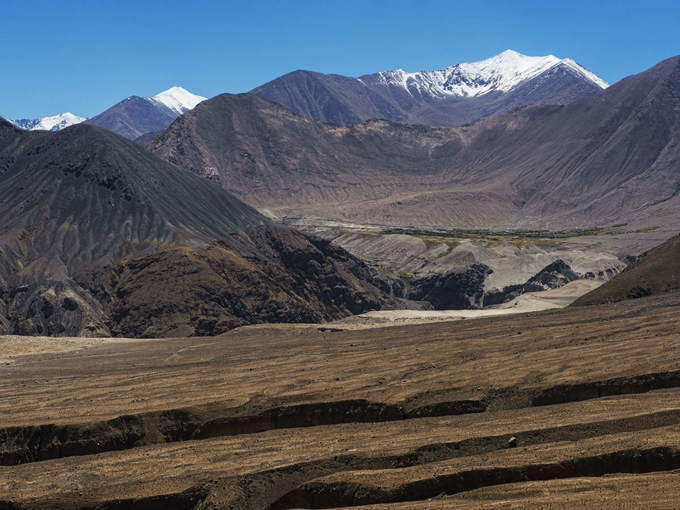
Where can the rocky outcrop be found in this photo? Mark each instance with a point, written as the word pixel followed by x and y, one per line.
pixel 51 308
pixel 552 276
pixel 463 290
pixel 266 274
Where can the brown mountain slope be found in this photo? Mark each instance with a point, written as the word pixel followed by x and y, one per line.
pixel 267 154
pixel 610 158
pixel 266 274
pixel 656 271
pixel 76 202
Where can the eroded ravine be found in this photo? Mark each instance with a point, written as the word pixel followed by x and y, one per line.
pixel 343 494
pixel 23 444
pixel 294 485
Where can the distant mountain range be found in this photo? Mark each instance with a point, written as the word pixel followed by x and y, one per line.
pixel 609 158
pixel 131 118
pixel 453 96
pixel 52 123
pixel 101 236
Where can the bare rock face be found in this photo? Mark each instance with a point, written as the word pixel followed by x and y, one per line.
pixel 462 291
pixel 53 309
pixel 466 289
pixel 552 276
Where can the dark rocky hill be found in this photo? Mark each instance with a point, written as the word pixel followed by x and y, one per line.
pixel 78 209
pixel 262 274
pixel 64 193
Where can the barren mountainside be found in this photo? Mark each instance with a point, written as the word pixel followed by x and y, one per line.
pixel 84 195
pixel 611 158
pixel 263 274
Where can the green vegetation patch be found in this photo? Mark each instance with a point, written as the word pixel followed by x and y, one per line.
pixel 459 233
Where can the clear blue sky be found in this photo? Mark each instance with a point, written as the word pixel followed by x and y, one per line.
pixel 85 55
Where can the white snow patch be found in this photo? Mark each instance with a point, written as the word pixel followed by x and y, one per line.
pixel 50 123
pixel 178 99
pixel 60 121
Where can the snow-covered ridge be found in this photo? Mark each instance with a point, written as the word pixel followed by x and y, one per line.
pixel 588 74
pixel 178 99
pixel 51 123
pixel 469 79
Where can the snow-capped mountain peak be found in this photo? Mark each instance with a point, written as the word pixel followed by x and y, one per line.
pixel 178 99
pixel 60 121
pixel 469 79
pixel 50 123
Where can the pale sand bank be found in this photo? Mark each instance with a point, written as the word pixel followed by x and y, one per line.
pixel 529 302
pixel 17 345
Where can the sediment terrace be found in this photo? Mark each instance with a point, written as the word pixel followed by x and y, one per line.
pixel 388 417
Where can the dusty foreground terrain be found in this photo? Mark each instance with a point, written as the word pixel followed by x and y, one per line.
pixel 570 408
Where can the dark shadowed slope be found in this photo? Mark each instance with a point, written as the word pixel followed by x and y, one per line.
pixel 137 116
pixel 84 195
pixel 76 200
pixel 433 98
pixel 607 159
pixel 134 117
pixel 655 272
pixel 76 203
